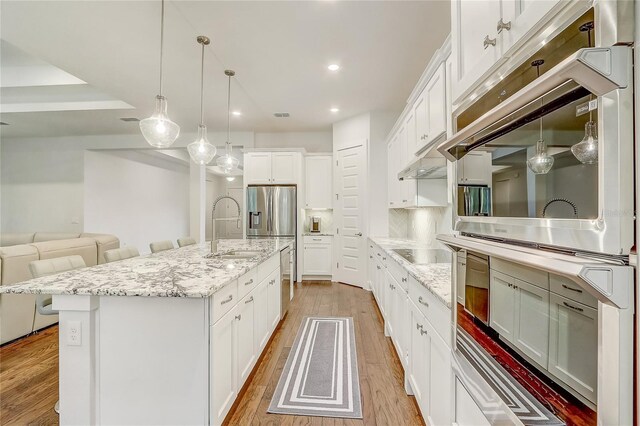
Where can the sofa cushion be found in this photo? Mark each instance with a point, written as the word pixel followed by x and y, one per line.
pixel 85 247
pixel 15 238
pixel 52 236
pixel 15 262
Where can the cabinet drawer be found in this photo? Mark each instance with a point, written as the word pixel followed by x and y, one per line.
pixel 567 288
pixel 223 301
pixel 436 312
pixel 247 282
pixel 268 266
pixel 320 239
pixel 524 273
pixel 399 273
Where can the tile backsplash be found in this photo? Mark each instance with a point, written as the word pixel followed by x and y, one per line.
pixel 420 224
pixel 326 220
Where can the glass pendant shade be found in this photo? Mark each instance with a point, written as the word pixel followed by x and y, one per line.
pixel 542 162
pixel 586 151
pixel 201 150
pixel 227 162
pixel 159 130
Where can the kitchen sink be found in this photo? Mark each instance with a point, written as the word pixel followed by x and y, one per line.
pixel 234 254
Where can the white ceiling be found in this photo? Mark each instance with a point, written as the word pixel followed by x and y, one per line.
pixel 109 51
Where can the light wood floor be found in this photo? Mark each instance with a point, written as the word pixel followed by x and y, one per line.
pixel 29 368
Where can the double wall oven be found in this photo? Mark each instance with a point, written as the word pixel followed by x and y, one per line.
pixel 544 330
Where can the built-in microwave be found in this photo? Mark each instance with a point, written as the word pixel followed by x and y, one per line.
pixel 557 138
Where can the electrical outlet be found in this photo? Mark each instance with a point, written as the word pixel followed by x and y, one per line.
pixel 74 333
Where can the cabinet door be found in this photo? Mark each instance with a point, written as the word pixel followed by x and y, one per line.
pixel 257 168
pixel 467 412
pixel 317 259
pixel 420 359
pixel 473 22
pixel 436 106
pixel 411 141
pixel 532 307
pixel 392 178
pixel 318 182
pixel 421 114
pixel 245 338
pixel 389 303
pixel 502 306
pixel 273 299
pixel 440 378
pixel 476 169
pixel 260 316
pixel 573 345
pixel 523 16
pixel 381 286
pixel 223 366
pixel 403 324
pixel 284 167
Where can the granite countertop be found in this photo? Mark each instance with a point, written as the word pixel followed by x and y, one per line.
pixel 180 272
pixel 317 234
pixel 436 277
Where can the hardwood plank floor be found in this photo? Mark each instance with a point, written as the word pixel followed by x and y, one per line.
pixel 29 368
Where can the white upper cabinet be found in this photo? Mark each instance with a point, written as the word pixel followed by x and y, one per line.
pixel 475 169
pixel 318 182
pixel 485 33
pixel 271 167
pixel 433 106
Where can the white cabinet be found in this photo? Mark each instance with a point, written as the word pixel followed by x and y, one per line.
pixel 432 106
pixel 273 300
pixel 485 33
pixel 419 358
pixel 260 316
pixel 223 366
pixel 475 169
pixel 393 184
pixel 318 182
pixel 389 302
pixel 245 338
pixel 421 113
pixel 317 255
pixel 271 167
pixel 514 306
pixel 440 381
pixel 466 411
pixel 573 345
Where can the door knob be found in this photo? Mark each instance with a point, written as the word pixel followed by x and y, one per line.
pixel 359 234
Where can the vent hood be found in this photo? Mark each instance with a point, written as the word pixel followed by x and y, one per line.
pixel 431 164
pixel 596 70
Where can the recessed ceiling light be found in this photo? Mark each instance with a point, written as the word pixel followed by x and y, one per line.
pixel 130 119
pixel 236 113
pixel 335 109
pixel 231 178
pixel 2 123
pixel 333 67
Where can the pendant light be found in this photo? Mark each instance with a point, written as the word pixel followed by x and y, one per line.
pixel 228 162
pixel 159 130
pixel 541 162
pixel 201 150
pixel 586 151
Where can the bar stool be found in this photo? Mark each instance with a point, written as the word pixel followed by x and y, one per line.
pixel 186 241
pixel 159 246
pixel 43 268
pixel 122 253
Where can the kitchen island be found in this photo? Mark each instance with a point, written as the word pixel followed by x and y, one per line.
pixel 167 338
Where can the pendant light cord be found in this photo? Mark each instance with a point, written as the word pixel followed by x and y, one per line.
pixel 161 42
pixel 229 115
pixel 202 87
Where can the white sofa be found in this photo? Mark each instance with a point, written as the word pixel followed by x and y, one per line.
pixel 18 316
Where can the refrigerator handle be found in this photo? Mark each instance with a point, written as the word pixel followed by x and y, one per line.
pixel 270 212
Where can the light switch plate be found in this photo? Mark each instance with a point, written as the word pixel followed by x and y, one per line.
pixel 74 333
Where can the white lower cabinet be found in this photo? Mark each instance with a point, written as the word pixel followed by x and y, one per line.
pixel 440 381
pixel 317 257
pixel 501 305
pixel 389 302
pixel 466 411
pixel 419 359
pixel 239 336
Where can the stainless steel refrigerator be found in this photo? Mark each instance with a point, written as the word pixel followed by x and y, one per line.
pixel 271 212
pixel 474 200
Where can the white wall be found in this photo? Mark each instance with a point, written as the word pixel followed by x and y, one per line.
pixel 311 141
pixel 138 198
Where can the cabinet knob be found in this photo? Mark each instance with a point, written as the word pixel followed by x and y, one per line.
pixel 238 317
pixel 419 326
pixel 489 41
pixel 404 280
pixel 503 26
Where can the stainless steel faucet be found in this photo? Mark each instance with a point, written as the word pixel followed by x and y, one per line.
pixel 214 242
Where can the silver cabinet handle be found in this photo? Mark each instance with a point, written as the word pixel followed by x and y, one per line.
pixel 577 290
pixel 575 308
pixel 404 201
pixel 423 332
pixel 370 257
pixel 377 266
pixel 421 300
pixel 239 317
pixel 404 280
pixel 249 282
pixel 359 234
pixel 419 326
pixel 489 42
pixel 503 26
pixel 249 300
pixel 227 300
pixel 384 258
pixel 378 254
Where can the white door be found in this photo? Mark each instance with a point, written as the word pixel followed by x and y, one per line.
pixel 245 338
pixel 223 366
pixel 273 299
pixel 573 345
pixel 522 15
pixel 318 182
pixel 420 358
pixel 532 307
pixel 257 168
pixel 260 316
pixel 284 167
pixel 502 305
pixel 350 216
pixel 472 23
